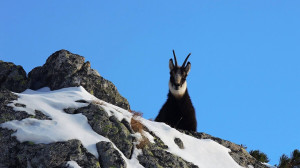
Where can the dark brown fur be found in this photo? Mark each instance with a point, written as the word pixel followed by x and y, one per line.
pixel 178 113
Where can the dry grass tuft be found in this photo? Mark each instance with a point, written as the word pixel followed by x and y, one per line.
pixel 137 126
pixel 144 142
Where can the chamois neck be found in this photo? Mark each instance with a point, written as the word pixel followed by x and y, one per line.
pixel 178 93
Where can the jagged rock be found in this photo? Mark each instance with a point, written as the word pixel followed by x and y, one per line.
pixel 16 154
pixel 238 153
pixel 109 157
pixel 8 148
pixel 12 77
pixel 64 69
pixel 56 154
pixel 156 157
pixel 109 127
pixel 6 112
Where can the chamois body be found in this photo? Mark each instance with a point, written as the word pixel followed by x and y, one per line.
pixel 178 111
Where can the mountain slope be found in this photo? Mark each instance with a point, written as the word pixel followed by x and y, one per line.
pixel 68 121
pixel 63 127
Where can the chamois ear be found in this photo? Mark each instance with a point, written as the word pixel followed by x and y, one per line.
pixel 187 68
pixel 171 65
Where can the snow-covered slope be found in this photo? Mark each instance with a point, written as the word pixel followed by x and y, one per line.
pixel 64 126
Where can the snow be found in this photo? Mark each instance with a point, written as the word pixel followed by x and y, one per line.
pixel 63 127
pixel 203 153
pixel 268 165
pixel 72 164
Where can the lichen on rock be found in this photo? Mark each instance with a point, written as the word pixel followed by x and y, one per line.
pixel 109 126
pixel 65 69
pixel 12 77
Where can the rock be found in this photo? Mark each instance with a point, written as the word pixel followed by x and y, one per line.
pixel 6 112
pixel 12 77
pixel 16 154
pixel 64 69
pixel 179 143
pixel 109 156
pixel 156 157
pixel 40 116
pixel 55 154
pixel 8 148
pixel 109 127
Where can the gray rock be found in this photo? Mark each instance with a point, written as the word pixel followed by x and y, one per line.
pixel 109 157
pixel 64 69
pixel 156 157
pixel 55 154
pixel 40 116
pixel 109 127
pixel 12 77
pixel 6 112
pixel 8 148
pixel 16 154
pixel 179 143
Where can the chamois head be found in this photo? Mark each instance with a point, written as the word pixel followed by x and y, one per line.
pixel 178 74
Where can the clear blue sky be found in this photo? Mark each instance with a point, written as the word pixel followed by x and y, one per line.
pixel 244 81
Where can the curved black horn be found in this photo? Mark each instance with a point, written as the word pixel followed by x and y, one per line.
pixel 175 58
pixel 186 60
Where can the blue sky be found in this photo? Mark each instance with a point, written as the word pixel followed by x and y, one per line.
pixel 244 81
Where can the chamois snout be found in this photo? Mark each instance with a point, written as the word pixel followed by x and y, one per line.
pixel 177 79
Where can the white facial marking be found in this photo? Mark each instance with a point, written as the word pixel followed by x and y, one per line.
pixel 180 92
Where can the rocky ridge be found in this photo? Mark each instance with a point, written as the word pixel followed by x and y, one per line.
pixel 64 69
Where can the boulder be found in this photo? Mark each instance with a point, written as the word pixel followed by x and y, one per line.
pixel 109 157
pixel 12 77
pixel 109 127
pixel 65 69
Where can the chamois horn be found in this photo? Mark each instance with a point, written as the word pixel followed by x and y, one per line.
pixel 186 59
pixel 175 58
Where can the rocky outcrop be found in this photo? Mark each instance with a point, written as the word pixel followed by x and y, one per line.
pixel 65 69
pixel 109 156
pixel 156 157
pixel 6 112
pixel 12 77
pixel 108 127
pixel 27 154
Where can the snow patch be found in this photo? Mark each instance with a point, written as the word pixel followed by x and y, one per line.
pixel 63 127
pixel 202 152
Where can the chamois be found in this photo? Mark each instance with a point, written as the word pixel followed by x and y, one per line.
pixel 178 111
